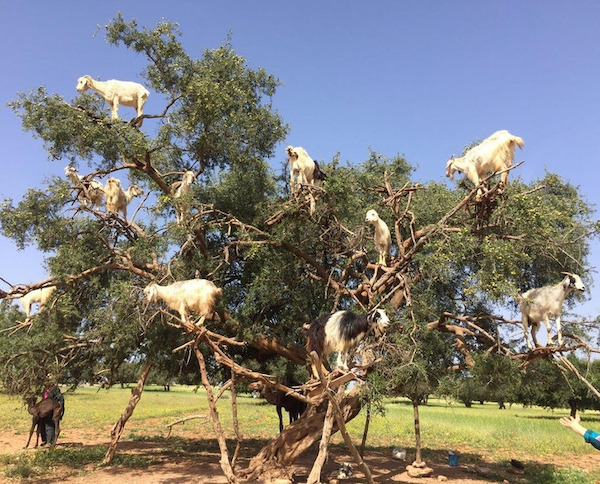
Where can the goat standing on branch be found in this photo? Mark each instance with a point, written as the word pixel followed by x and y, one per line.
pixel 543 303
pixel 383 238
pixel 195 295
pixel 89 191
pixel 41 296
pixel 303 171
pixel 117 199
pixel 115 92
pixel 180 190
pixel 494 154
pixel 340 331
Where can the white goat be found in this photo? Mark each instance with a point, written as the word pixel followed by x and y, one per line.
pixel 543 303
pixel 303 171
pixel 195 295
pixel 494 154
pixel 117 199
pixel 89 191
pixel 115 92
pixel 182 188
pixel 41 296
pixel 383 238
pixel 302 167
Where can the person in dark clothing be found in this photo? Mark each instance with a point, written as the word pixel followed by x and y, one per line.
pixel 47 430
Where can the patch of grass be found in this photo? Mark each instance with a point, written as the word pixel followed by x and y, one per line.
pixel 480 433
pixel 26 465
pixel 551 475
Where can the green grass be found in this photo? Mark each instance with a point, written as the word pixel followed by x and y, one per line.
pixel 479 434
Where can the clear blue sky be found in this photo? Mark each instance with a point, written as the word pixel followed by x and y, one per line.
pixel 419 78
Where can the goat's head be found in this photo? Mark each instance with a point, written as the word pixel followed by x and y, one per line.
pixel 189 177
pixel 135 191
pixel 151 292
pixel 71 171
pixel 379 320
pixel 292 155
pixel 573 282
pixel 256 386
pixel 83 83
pixel 372 217
pixel 450 168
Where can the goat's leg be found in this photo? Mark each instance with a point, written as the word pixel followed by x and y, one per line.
pixel 56 431
pixel 559 331
pixel 115 108
pixel 342 361
pixel 33 426
pixel 525 322
pixel 549 330
pixel 279 413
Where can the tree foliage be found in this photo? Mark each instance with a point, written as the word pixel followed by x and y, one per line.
pixel 279 265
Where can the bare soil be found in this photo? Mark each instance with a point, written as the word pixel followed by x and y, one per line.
pixel 188 459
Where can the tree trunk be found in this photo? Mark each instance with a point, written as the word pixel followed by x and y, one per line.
pixel 275 459
pixel 315 474
pixel 417 431
pixel 214 417
pixel 117 430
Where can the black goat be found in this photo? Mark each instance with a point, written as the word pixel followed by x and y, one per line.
pixel 278 398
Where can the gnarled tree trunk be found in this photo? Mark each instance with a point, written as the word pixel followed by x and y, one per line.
pixel 275 459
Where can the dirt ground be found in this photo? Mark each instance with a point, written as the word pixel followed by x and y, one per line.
pixel 189 460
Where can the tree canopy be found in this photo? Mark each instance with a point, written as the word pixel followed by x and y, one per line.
pixel 279 265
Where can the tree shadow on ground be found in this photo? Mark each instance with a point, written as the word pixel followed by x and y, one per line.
pixel 183 459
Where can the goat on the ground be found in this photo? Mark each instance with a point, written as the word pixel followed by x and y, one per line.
pixel 543 303
pixel 199 296
pixel 383 238
pixel 341 331
pixel 276 397
pixel 494 154
pixel 127 93
pixel 41 410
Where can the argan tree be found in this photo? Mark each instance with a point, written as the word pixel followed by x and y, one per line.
pixel 454 262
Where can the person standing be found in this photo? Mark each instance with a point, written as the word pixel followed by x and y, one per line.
pixel 47 430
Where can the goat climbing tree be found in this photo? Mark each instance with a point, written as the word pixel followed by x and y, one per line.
pixel 279 265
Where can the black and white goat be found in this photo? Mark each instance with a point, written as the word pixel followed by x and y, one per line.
pixel 543 303
pixel 342 330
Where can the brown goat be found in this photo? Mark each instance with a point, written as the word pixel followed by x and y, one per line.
pixel 41 410
pixel 278 398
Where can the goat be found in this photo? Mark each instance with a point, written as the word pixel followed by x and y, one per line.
pixel 276 397
pixel 181 189
pixel 195 295
pixel 89 191
pixel 115 92
pixel 41 296
pixel 493 154
pixel 383 238
pixel 340 331
pixel 117 199
pixel 303 171
pixel 45 408
pixel 302 167
pixel 543 303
